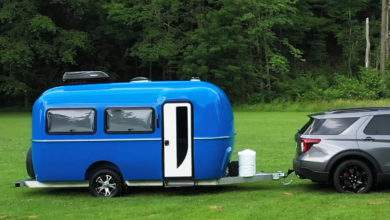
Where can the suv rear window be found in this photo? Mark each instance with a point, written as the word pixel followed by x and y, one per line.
pixel 330 126
pixel 379 125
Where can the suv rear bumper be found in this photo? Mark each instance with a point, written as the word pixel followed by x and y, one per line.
pixel 305 173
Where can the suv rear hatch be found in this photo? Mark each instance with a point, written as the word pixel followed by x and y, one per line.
pixel 306 136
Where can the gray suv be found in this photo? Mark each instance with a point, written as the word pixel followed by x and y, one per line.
pixel 349 148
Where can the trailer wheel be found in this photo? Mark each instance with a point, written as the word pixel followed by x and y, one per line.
pixel 29 164
pixel 105 182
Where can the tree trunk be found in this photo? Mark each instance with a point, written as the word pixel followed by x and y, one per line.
pixel 387 34
pixel 267 68
pixel 382 62
pixel 350 46
pixel 163 73
pixel 26 100
pixel 367 59
pixel 150 70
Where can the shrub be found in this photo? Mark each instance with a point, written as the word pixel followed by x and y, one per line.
pixel 369 86
pixel 304 87
pixel 386 84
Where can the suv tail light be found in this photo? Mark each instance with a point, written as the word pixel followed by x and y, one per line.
pixel 307 143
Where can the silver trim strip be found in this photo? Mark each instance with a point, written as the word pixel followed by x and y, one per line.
pixel 144 183
pixel 122 139
pixel 99 140
pixel 212 138
pixel 36 184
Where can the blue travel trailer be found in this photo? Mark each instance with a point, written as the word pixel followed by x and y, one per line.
pixel 106 136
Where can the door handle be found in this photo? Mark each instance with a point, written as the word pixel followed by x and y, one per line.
pixel 369 139
pixel 166 143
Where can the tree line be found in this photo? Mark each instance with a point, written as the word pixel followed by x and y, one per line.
pixel 256 50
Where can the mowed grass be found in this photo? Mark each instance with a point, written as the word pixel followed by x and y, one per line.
pixel 270 134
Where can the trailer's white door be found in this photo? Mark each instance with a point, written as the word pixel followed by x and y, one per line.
pixel 177 118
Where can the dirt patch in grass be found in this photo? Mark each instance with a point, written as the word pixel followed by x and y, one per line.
pixel 217 208
pixel 376 202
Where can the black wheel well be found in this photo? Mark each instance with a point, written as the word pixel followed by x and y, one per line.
pixel 101 164
pixel 374 169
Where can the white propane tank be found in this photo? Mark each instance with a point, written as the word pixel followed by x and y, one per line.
pixel 247 163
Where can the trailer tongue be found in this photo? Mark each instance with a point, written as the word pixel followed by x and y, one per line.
pixel 238 179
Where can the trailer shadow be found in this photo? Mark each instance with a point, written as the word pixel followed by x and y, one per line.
pixel 195 191
pixel 66 192
pixel 141 191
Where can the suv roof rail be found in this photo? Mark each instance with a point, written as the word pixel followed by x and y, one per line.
pixel 85 76
pixel 360 109
pixel 349 110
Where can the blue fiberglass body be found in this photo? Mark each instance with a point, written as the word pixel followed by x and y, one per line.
pixel 67 157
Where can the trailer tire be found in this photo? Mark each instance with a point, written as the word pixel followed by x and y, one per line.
pixel 233 168
pixel 29 164
pixel 105 182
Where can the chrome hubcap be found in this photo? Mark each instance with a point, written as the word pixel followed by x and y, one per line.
pixel 105 185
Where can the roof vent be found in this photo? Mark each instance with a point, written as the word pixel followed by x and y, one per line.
pixel 85 76
pixel 195 78
pixel 140 79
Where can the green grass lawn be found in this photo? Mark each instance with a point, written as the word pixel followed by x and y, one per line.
pixel 270 134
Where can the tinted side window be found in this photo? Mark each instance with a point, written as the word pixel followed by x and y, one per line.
pixel 306 126
pixel 379 125
pixel 70 121
pixel 127 120
pixel 330 126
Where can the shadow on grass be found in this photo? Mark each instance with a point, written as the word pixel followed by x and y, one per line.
pixel 312 187
pixel 79 192
pixel 141 191
pixel 195 191
pixel 316 187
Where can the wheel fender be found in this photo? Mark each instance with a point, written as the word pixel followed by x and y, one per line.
pixel 353 154
pixel 99 164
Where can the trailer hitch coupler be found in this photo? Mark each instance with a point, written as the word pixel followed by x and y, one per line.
pixel 289 172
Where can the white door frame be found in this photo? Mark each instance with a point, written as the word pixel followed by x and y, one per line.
pixel 177 157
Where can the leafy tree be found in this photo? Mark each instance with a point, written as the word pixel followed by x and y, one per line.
pixel 256 50
pixel 348 28
pixel 240 48
pixel 30 42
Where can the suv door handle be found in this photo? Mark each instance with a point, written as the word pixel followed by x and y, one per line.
pixel 166 143
pixel 368 139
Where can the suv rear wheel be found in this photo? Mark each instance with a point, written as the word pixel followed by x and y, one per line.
pixel 353 176
pixel 105 182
